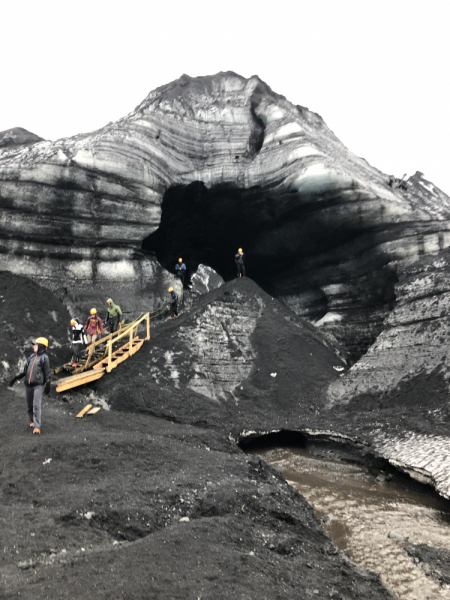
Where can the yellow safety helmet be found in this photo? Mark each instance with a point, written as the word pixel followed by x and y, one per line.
pixel 73 322
pixel 170 289
pixel 93 311
pixel 41 340
pixel 240 250
pixel 180 260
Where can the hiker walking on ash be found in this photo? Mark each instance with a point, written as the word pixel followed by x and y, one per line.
pixel 173 303
pixel 239 260
pixel 78 339
pixel 93 326
pixel 113 315
pixel 180 270
pixel 37 382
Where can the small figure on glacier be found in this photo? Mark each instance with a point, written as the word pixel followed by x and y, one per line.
pixel 173 303
pixel 239 260
pixel 180 270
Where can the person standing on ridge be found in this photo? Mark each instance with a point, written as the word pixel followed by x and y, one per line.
pixel 173 303
pixel 239 260
pixel 78 339
pixel 93 326
pixel 180 270
pixel 113 315
pixel 37 382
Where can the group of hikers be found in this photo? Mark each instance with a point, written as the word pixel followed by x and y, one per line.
pixel 37 372
pixel 93 327
pixel 180 272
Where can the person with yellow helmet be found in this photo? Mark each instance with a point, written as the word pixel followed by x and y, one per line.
pixel 173 303
pixel 37 382
pixel 78 339
pixel 239 260
pixel 93 326
pixel 180 270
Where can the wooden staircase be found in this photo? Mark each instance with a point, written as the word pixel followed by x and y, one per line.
pixel 104 355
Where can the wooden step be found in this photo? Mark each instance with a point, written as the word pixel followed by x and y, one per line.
pixel 75 380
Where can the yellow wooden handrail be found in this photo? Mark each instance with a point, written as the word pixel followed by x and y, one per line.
pixel 130 330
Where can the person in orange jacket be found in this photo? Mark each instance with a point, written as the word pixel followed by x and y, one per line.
pixel 93 326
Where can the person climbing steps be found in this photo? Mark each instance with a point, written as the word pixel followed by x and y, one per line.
pixel 93 326
pixel 78 339
pixel 113 315
pixel 173 303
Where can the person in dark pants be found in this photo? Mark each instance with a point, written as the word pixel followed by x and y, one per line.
pixel 180 270
pixel 93 327
pixel 113 315
pixel 173 303
pixel 239 260
pixel 78 339
pixel 37 382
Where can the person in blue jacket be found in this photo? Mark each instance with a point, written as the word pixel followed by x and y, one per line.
pixel 173 303
pixel 180 270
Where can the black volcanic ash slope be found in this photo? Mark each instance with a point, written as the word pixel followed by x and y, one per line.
pixel 156 499
pixel 239 359
pixel 28 310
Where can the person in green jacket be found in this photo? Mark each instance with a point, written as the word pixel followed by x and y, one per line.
pixel 113 315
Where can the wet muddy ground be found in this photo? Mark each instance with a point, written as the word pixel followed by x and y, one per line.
pixel 377 522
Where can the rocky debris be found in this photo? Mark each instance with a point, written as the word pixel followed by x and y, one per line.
pixel 397 536
pixel 434 561
pixel 205 280
pixel 17 136
pixel 201 167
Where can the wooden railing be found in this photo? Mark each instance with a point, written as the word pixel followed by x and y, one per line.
pixel 130 331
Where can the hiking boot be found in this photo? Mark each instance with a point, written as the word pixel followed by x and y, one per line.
pixel 36 431
pixel 31 424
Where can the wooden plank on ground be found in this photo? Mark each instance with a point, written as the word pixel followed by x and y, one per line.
pixel 94 410
pixel 86 409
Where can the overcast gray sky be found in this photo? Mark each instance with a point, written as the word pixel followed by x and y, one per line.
pixel 375 70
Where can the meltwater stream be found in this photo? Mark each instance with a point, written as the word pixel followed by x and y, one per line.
pixel 359 512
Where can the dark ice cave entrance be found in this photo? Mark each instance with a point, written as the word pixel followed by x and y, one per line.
pixel 295 245
pixel 205 226
pixel 278 233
